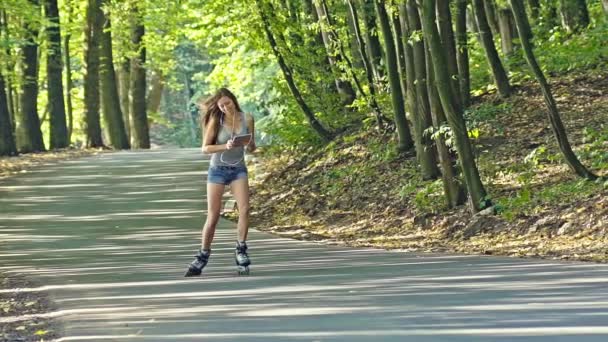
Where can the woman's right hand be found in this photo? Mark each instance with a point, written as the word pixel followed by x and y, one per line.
pixel 230 144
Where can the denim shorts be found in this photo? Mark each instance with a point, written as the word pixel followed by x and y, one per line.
pixel 226 174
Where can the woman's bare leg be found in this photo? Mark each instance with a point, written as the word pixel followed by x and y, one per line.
pixel 240 191
pixel 214 205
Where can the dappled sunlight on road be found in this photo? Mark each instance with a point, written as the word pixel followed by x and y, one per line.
pixel 111 240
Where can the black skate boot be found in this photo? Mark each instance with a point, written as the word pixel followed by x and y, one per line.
pixel 241 258
pixel 196 266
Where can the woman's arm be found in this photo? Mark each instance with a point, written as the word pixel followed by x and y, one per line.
pixel 208 146
pixel 251 126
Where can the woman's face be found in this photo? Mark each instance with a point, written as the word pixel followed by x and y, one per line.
pixel 226 105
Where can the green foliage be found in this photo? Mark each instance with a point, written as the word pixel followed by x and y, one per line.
pixel 595 149
pixel 483 117
pixel 427 195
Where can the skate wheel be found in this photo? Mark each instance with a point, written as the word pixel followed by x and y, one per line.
pixel 243 270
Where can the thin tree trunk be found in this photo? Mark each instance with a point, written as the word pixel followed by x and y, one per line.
pixel 29 135
pixel 574 14
pixel 112 114
pixel 7 139
pixel 68 70
pixel 54 67
pixel 345 89
pixel 140 135
pixel 155 92
pixel 124 83
pixel 477 193
pixel 455 194
pixel 605 6
pixel 500 75
pixel 444 19
pixel 490 11
pixel 10 100
pixel 553 113
pixel 314 123
pixel 371 37
pixel 405 137
pixel 366 63
pixel 425 151
pixel 91 79
pixel 462 55
pixel 535 8
pixel 506 24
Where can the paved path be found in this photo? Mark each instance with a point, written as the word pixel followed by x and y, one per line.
pixel 110 236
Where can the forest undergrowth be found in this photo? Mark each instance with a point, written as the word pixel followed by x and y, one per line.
pixel 358 191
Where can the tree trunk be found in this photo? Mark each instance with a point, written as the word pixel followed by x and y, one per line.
pixel 353 43
pixel 7 139
pixel 405 137
pixel 140 134
pixel 155 93
pixel 454 193
pixel 553 113
pixel 29 135
pixel 477 193
pixel 124 83
pixel 54 68
pixel 574 14
pixel 421 116
pixel 506 26
pixel 91 78
pixel 534 8
pixel 345 89
pixel 490 11
pixel 605 5
pixel 444 19
pixel 500 75
pixel 366 63
pixel 462 56
pixel 371 38
pixel 314 123
pixel 68 71
pixel 109 93
pixel 10 99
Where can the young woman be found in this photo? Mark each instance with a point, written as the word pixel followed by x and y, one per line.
pixel 224 125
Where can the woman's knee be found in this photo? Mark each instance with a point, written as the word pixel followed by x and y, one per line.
pixel 244 209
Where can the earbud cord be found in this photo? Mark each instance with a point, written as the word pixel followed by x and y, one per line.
pixel 232 137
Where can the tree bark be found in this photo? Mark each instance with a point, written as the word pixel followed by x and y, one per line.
pixel 29 135
pixel 405 137
pixel 455 194
pixel 109 93
pixel 417 97
pixel 7 139
pixel 477 193
pixel 124 84
pixel 140 133
pixel 574 14
pixel 91 78
pixel 553 113
pixel 371 37
pixel 69 84
pixel 490 11
pixel 534 8
pixel 605 6
pixel 314 123
pixel 369 73
pixel 155 93
pixel 54 68
pixel 498 71
pixel 506 27
pixel 10 98
pixel 446 33
pixel 462 56
pixel 345 89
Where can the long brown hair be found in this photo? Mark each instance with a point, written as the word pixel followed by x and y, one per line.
pixel 212 110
